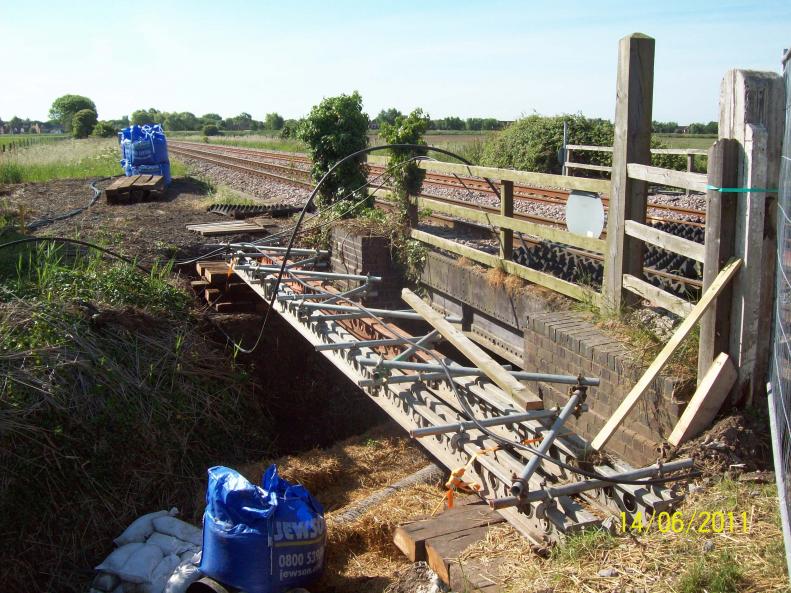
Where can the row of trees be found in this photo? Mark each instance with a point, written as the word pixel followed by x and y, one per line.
pixel 672 127
pixel 186 121
pixel 389 117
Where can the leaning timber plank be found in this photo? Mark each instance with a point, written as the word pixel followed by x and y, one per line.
pixel 522 226
pixel 691 181
pixel 547 280
pixel 473 352
pixel 525 177
pixel 411 538
pixel 719 284
pixel 706 401
pixel 656 295
pixel 665 240
pixel 446 550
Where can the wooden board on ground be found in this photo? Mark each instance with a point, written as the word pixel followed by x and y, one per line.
pixel 444 557
pixel 136 188
pixel 706 401
pixel 411 538
pixel 227 228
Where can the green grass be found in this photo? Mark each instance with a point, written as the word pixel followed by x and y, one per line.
pixel 583 545
pixel 703 141
pixel 250 141
pixel 25 139
pixel 718 573
pixel 68 159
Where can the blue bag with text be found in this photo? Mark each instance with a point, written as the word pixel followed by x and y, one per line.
pixel 143 145
pixel 261 539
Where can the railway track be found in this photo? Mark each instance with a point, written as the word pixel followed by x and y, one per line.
pixel 246 161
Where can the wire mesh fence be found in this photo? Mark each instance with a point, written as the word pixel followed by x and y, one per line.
pixel 780 391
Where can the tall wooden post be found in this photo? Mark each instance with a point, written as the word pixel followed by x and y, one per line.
pixel 506 209
pixel 752 112
pixel 633 105
pixel 720 229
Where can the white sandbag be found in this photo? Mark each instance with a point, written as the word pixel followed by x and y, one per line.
pixel 180 529
pixel 116 560
pixel 186 574
pixel 139 529
pixel 191 556
pixel 141 564
pixel 169 544
pixel 105 581
pixel 161 574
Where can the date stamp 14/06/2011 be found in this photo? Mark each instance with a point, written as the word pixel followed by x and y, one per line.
pixel 678 522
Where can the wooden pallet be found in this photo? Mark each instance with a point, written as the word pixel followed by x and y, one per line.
pixel 137 188
pixel 441 540
pixel 223 291
pixel 227 228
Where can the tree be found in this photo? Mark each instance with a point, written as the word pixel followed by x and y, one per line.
pixel 210 130
pixel 83 122
pixel 142 117
pixel 273 121
pixel 210 118
pixel 290 127
pixel 388 116
pixel 335 128
pixel 16 124
pixel 104 129
pixel 406 176
pixel 63 109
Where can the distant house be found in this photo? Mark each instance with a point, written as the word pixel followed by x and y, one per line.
pixel 682 130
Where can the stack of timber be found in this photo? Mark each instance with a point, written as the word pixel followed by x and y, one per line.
pixel 233 227
pixel 442 540
pixel 137 188
pixel 223 290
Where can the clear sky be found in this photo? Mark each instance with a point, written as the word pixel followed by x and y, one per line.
pixel 499 59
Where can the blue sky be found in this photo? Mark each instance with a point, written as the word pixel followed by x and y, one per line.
pixel 499 58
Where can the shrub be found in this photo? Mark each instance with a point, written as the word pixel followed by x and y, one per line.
pixel 104 129
pixel 273 121
pixel 83 122
pixel 210 130
pixel 335 128
pixel 63 109
pixel 406 178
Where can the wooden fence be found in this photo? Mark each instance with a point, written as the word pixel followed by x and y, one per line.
pixel 570 149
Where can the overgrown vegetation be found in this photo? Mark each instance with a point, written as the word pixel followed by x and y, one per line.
pixel 334 129
pixel 113 402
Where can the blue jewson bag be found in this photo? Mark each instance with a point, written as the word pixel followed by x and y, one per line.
pixel 265 539
pixel 143 145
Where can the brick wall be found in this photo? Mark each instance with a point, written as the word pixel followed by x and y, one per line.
pixel 356 253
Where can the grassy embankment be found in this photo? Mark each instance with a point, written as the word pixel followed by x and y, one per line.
pixel 67 159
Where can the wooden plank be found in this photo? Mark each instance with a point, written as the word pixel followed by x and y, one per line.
pixel 752 110
pixel 523 177
pixel 665 240
pixel 574 291
pixel 589 167
pixel 506 211
pixel 127 182
pixel 633 106
pixel 589 147
pixel 475 575
pixel 706 401
pixel 411 538
pixel 657 296
pixel 662 358
pixel 679 151
pixel 715 325
pixel 521 226
pixel 153 183
pixel 692 181
pixel 445 550
pixel 520 394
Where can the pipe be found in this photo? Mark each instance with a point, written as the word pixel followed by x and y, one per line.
pixel 425 340
pixel 417 433
pixel 363 344
pixel 577 487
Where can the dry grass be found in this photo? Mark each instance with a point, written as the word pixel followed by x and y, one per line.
pixel 655 562
pixel 496 277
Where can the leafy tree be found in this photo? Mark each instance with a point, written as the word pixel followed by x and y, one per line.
pixel 490 123
pixel 15 123
pixel 406 176
pixel 273 121
pixel 289 129
pixel 449 123
pixel 63 109
pixel 335 128
pixel 142 117
pixel 210 130
pixel 474 123
pixel 664 127
pixel 388 116
pixel 83 122
pixel 104 129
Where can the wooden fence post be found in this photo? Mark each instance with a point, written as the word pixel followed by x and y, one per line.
pixel 723 169
pixel 506 209
pixel 634 101
pixel 752 111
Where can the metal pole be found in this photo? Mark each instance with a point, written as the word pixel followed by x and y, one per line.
pixel 519 487
pixel 363 344
pixel 563 150
pixel 470 425
pixel 427 339
pixel 378 312
pixel 577 487
pixel 307 273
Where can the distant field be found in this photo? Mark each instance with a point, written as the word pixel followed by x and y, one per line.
pixel 687 140
pixel 24 139
pixel 263 141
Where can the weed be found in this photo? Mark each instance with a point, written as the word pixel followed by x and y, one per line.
pixel 11 172
pixel 715 574
pixel 584 545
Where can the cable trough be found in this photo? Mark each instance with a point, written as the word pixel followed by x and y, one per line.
pixel 527 463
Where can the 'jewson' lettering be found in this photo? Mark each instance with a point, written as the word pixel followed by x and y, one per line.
pixel 299 530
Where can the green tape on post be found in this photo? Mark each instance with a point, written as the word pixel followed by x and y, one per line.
pixel 742 190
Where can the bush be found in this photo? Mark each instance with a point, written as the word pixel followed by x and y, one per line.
pixel 104 129
pixel 210 130
pixel 335 128
pixel 406 178
pixel 63 109
pixel 83 122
